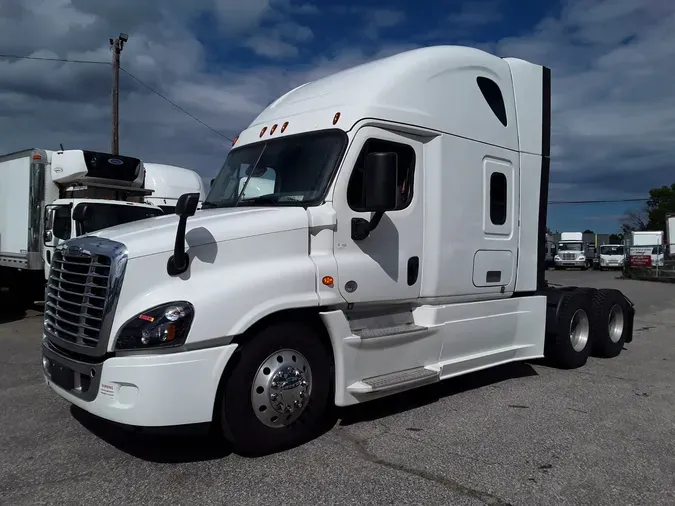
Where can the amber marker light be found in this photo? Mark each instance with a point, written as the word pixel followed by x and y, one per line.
pixel 235 140
pixel 273 129
pixel 336 118
pixel 328 280
pixel 284 126
pixel 262 132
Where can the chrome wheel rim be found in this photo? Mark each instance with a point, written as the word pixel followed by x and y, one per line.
pixel 579 330
pixel 281 388
pixel 615 323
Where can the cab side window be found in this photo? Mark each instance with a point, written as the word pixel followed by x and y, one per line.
pixel 405 175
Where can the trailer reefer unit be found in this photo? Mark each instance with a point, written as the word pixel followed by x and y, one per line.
pixel 47 197
pixel 399 240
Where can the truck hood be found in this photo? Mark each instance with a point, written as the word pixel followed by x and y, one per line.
pixel 158 235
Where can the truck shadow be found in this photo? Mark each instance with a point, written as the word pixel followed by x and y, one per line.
pixel 7 316
pixel 419 397
pixel 165 446
pixel 196 444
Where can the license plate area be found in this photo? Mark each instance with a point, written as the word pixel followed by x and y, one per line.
pixel 63 377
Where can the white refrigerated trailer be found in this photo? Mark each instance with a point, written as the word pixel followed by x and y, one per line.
pixel 399 240
pixel 47 197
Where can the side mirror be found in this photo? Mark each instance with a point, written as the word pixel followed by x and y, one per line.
pixel 82 212
pixel 380 184
pixel 380 192
pixel 180 261
pixel 187 205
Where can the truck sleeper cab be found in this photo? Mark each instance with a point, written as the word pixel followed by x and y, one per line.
pixel 368 233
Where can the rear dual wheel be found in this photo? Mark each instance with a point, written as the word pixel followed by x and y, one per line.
pixel 589 321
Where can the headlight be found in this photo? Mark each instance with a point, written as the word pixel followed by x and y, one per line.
pixel 159 327
pixel 581 258
pixel 557 257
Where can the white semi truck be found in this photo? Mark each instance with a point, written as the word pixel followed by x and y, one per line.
pixel 571 251
pixel 168 183
pixel 47 197
pixel 401 242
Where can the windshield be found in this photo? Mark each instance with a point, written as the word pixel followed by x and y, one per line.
pixel 294 170
pixel 611 250
pixel 109 215
pixel 571 246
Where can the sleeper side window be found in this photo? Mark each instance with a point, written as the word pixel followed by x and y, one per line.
pixel 494 98
pixel 405 175
pixel 498 197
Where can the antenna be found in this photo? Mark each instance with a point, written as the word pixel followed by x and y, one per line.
pixel 61 146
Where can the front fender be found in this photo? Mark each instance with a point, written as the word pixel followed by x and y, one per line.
pixel 231 285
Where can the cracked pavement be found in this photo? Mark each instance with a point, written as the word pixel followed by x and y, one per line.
pixel 519 434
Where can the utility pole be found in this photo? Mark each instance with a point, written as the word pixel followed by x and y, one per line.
pixel 116 46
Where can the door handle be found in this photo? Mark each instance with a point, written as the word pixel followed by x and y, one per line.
pixel 413 270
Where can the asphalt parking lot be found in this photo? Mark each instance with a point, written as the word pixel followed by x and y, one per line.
pixel 521 434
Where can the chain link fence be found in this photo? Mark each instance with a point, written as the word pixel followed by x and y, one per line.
pixel 649 262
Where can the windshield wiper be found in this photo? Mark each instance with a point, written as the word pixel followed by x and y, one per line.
pixel 263 199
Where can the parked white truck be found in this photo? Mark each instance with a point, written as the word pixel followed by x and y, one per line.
pixel 611 256
pixel 47 197
pixel 646 243
pixel 169 182
pixel 571 251
pixel 401 243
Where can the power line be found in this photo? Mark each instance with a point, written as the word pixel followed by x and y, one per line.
pixel 173 104
pixel 67 60
pixel 63 60
pixel 657 200
pixel 595 201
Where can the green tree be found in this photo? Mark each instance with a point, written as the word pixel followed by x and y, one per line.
pixel 661 202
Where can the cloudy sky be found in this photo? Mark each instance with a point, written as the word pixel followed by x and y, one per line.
pixel 612 61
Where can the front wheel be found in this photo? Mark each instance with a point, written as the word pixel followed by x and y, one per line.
pixel 278 392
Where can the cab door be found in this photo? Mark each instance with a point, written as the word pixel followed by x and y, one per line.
pixel 386 265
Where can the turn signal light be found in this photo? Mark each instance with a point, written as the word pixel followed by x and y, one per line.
pixel 328 280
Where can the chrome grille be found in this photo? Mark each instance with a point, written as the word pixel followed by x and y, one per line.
pixel 569 256
pixel 76 294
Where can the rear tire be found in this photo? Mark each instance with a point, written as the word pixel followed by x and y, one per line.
pixel 609 323
pixel 278 392
pixel 569 345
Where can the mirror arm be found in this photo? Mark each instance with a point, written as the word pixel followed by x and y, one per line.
pixel 361 228
pixel 179 261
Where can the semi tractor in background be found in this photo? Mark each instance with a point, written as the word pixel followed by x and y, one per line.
pixel 399 240
pixel 47 197
pixel 168 183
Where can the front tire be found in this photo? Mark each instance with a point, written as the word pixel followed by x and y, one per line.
pixel 278 391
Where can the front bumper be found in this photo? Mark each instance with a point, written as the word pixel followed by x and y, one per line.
pixel 141 390
pixel 570 263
